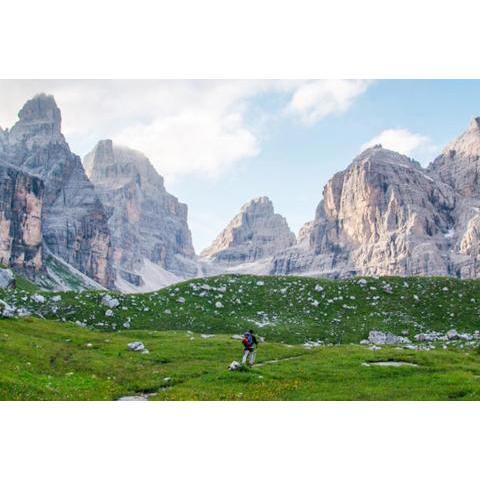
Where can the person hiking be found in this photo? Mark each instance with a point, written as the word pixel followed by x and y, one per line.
pixel 249 342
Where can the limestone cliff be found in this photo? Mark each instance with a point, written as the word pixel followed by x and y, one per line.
pixel 151 238
pixel 257 232
pixel 74 224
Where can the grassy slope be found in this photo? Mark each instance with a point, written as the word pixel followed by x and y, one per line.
pixel 346 311
pixel 43 359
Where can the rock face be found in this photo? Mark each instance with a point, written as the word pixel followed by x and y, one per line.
pixel 458 166
pixel 257 232
pixel 74 224
pixel 149 226
pixel 21 201
pixel 383 215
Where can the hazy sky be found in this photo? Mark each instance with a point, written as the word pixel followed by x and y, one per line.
pixel 220 143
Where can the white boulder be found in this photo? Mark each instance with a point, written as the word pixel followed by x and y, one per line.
pixel 110 301
pixel 136 347
pixel 384 338
pixel 452 335
pixel 37 298
pixel 7 278
pixel 234 366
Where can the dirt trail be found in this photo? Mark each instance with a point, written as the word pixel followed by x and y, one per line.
pixel 278 360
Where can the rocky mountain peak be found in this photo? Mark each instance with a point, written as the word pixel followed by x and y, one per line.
pixel 474 124
pixel 256 232
pixel 468 143
pixel 73 222
pixel 458 164
pixel 113 166
pixel 39 119
pixel 262 205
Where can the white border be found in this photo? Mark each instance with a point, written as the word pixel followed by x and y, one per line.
pixel 247 39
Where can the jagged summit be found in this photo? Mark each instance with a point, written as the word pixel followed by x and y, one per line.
pixel 468 143
pixel 474 124
pixel 377 153
pixel 458 164
pixel 39 121
pixel 113 166
pixel 41 107
pixel 256 232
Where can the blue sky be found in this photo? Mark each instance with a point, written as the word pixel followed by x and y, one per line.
pixel 296 161
pixel 220 143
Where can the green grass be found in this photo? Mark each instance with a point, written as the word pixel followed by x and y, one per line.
pixel 48 357
pixel 48 360
pixel 281 308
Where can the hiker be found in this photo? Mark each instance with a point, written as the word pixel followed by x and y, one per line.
pixel 249 342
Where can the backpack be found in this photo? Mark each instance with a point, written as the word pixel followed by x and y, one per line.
pixel 247 340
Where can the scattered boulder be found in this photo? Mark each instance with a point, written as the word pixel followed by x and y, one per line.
pixel 56 298
pixel 181 300
pixel 110 301
pixel 37 298
pixel 6 310
pixel 453 335
pixel 218 305
pixel 136 347
pixel 7 278
pixel 234 366
pixel 429 337
pixel 109 313
pixel 384 338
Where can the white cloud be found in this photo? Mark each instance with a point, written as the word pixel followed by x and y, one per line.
pixel 402 141
pixel 316 99
pixel 185 127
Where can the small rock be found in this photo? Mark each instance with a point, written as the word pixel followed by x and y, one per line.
pixel 6 310
pixel 136 346
pixel 453 335
pixel 7 278
pixel 234 366
pixel 37 298
pixel 110 301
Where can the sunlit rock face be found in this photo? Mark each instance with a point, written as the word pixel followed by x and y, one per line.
pixel 148 224
pixel 383 215
pixel 21 201
pixel 458 166
pixel 257 232
pixel 74 224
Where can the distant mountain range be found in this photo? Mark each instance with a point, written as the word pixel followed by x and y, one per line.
pixel 110 223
